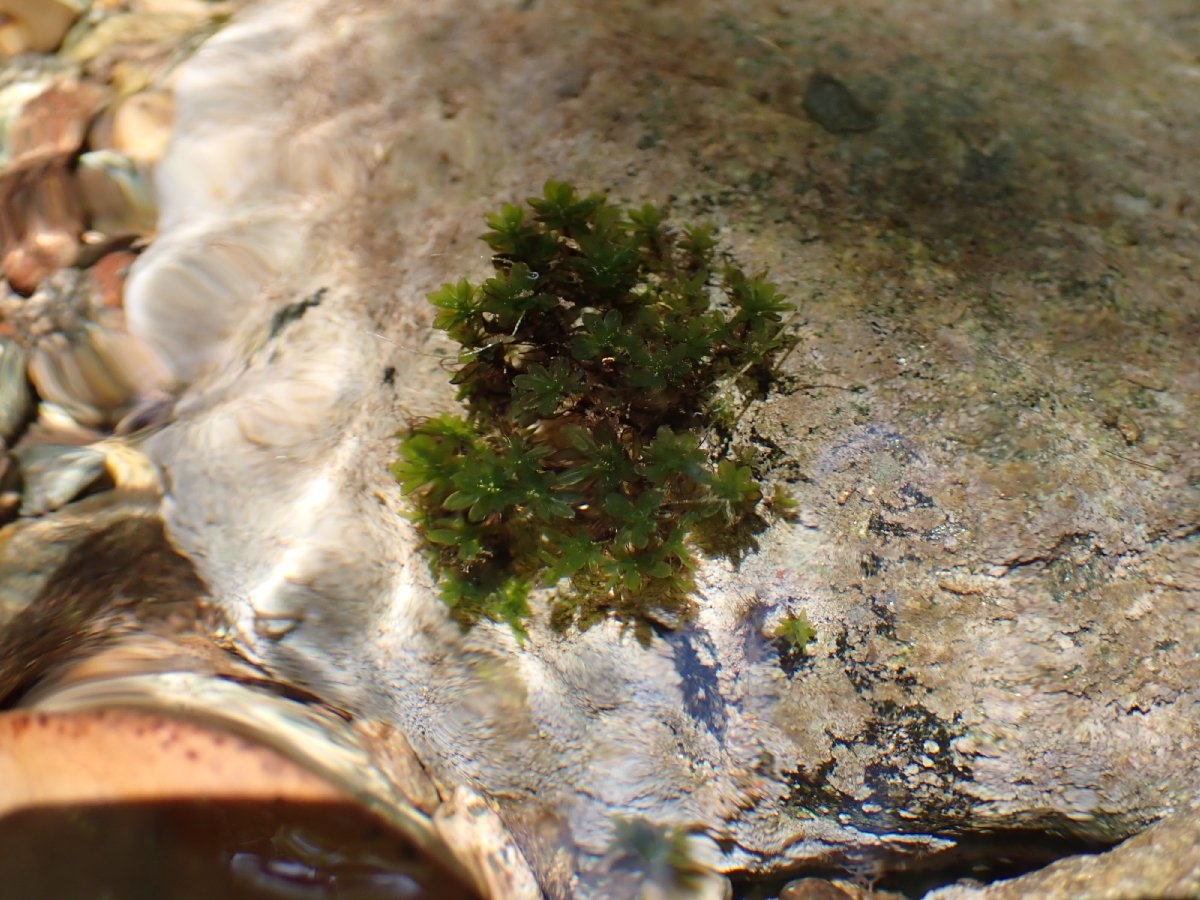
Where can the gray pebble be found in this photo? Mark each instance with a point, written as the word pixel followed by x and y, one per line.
pixel 55 475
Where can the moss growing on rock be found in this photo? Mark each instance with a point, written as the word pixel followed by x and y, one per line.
pixel 588 364
pixel 796 631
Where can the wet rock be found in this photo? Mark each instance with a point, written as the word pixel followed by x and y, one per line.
pixel 53 476
pixel 824 889
pixel 16 399
pixel 117 193
pixel 182 757
pixel 59 572
pixel 80 357
pixel 142 125
pixel 94 375
pixel 134 50
pixel 108 276
pixel 10 488
pixel 1163 861
pixel 102 625
pixel 187 796
pixel 45 122
pixel 35 26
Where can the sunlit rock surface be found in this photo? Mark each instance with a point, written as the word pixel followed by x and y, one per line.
pixel 986 217
pixel 1162 861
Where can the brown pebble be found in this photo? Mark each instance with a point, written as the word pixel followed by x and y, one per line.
pixel 108 277
pixel 812 889
pixel 29 264
pixel 141 125
pixel 34 26
pixel 10 506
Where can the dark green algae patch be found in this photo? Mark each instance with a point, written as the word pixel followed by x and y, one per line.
pixel 598 368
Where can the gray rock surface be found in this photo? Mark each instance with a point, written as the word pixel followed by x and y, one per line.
pixel 989 421
pixel 1162 861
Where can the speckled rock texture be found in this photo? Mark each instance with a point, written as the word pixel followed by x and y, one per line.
pixel 1162 861
pixel 987 214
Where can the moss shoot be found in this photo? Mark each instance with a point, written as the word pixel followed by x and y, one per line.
pixel 588 368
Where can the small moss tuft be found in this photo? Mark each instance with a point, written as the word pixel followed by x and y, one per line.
pixel 796 631
pixel 588 367
pixel 792 637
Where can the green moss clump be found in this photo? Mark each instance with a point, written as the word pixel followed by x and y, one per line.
pixel 587 367
pixel 796 631
pixel 793 634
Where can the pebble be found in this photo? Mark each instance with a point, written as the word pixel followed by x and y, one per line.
pixel 10 488
pixel 54 475
pixel 812 889
pixel 117 193
pixel 16 399
pixel 43 123
pixel 35 26
pixel 142 125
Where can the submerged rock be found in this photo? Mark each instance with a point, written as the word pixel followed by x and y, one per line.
pixel 53 476
pixel 107 647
